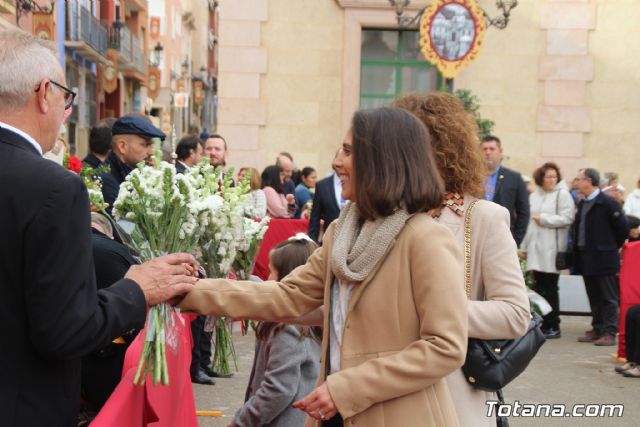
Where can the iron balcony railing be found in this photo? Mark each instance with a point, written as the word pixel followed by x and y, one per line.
pixel 84 27
pixel 129 47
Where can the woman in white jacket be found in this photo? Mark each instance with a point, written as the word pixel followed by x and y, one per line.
pixel 632 204
pixel 552 213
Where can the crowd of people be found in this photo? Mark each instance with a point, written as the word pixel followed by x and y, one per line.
pixel 386 251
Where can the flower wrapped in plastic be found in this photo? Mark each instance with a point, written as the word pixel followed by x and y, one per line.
pixel 159 212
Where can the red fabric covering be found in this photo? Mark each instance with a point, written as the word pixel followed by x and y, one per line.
pixel 156 406
pixel 279 231
pixel 629 288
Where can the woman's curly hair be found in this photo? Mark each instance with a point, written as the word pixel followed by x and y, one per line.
pixel 454 138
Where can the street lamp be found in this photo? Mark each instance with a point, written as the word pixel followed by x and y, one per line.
pixel 185 67
pixel 156 58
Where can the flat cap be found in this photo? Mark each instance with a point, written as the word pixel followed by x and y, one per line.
pixel 134 124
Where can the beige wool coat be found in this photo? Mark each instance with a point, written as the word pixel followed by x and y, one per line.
pixel 405 330
pixel 498 306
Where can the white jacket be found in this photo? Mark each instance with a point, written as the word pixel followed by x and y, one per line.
pixel 545 239
pixel 632 204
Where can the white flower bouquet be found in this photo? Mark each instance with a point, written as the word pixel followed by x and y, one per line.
pixel 160 212
pixel 248 246
pixel 219 242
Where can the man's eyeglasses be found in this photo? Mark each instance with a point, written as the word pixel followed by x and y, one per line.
pixel 69 95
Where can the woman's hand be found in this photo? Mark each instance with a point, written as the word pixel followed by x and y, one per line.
pixel 318 404
pixel 536 218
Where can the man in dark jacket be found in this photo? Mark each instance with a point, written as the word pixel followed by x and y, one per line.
pixel 51 313
pixel 327 203
pixel 599 231
pixel 99 143
pixel 188 152
pixel 131 144
pixel 505 187
pixel 102 368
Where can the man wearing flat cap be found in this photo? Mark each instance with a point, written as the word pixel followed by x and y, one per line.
pixel 130 144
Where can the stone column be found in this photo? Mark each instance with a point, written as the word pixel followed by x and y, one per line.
pixel 564 118
pixel 242 62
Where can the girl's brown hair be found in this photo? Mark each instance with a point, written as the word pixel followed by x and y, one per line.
pixel 454 139
pixel 254 181
pixel 286 257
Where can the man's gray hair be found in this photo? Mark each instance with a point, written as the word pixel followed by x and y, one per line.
pixel 25 61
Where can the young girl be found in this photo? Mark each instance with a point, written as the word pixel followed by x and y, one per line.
pixel 286 362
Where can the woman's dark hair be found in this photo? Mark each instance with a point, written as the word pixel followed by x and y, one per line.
pixel 394 167
pixel 270 177
pixel 538 174
pixel 306 171
pixel 286 257
pixel 186 145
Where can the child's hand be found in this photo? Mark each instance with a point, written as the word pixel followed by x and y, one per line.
pixel 318 404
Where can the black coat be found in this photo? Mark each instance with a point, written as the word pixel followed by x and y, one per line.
pixel 102 369
pixel 50 311
pixel 111 180
pixel 325 206
pixel 180 168
pixel 511 192
pixel 606 230
pixel 92 161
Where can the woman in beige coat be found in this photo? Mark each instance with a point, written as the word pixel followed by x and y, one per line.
pixel 391 279
pixel 498 304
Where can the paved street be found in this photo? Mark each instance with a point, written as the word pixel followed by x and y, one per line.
pixel 564 371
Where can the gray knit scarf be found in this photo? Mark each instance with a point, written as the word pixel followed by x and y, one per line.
pixel 356 251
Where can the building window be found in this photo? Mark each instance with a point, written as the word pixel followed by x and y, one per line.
pixel 391 65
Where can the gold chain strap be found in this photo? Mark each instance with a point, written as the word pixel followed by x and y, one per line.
pixel 467 247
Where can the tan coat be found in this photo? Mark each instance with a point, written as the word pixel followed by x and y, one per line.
pixel 499 306
pixel 405 331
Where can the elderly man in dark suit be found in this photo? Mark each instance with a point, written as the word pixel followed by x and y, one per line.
pixel 50 311
pixel 505 187
pixel 327 203
pixel 599 231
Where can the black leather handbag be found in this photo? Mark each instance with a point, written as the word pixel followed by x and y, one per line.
pixel 492 364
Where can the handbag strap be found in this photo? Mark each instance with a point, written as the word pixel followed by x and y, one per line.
pixel 467 247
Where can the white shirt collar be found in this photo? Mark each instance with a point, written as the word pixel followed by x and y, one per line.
pixel 22 134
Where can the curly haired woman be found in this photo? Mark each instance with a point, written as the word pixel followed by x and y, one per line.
pixel 498 305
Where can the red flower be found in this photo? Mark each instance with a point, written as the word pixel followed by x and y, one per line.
pixel 74 164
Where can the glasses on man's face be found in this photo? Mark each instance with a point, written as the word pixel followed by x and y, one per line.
pixel 69 95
